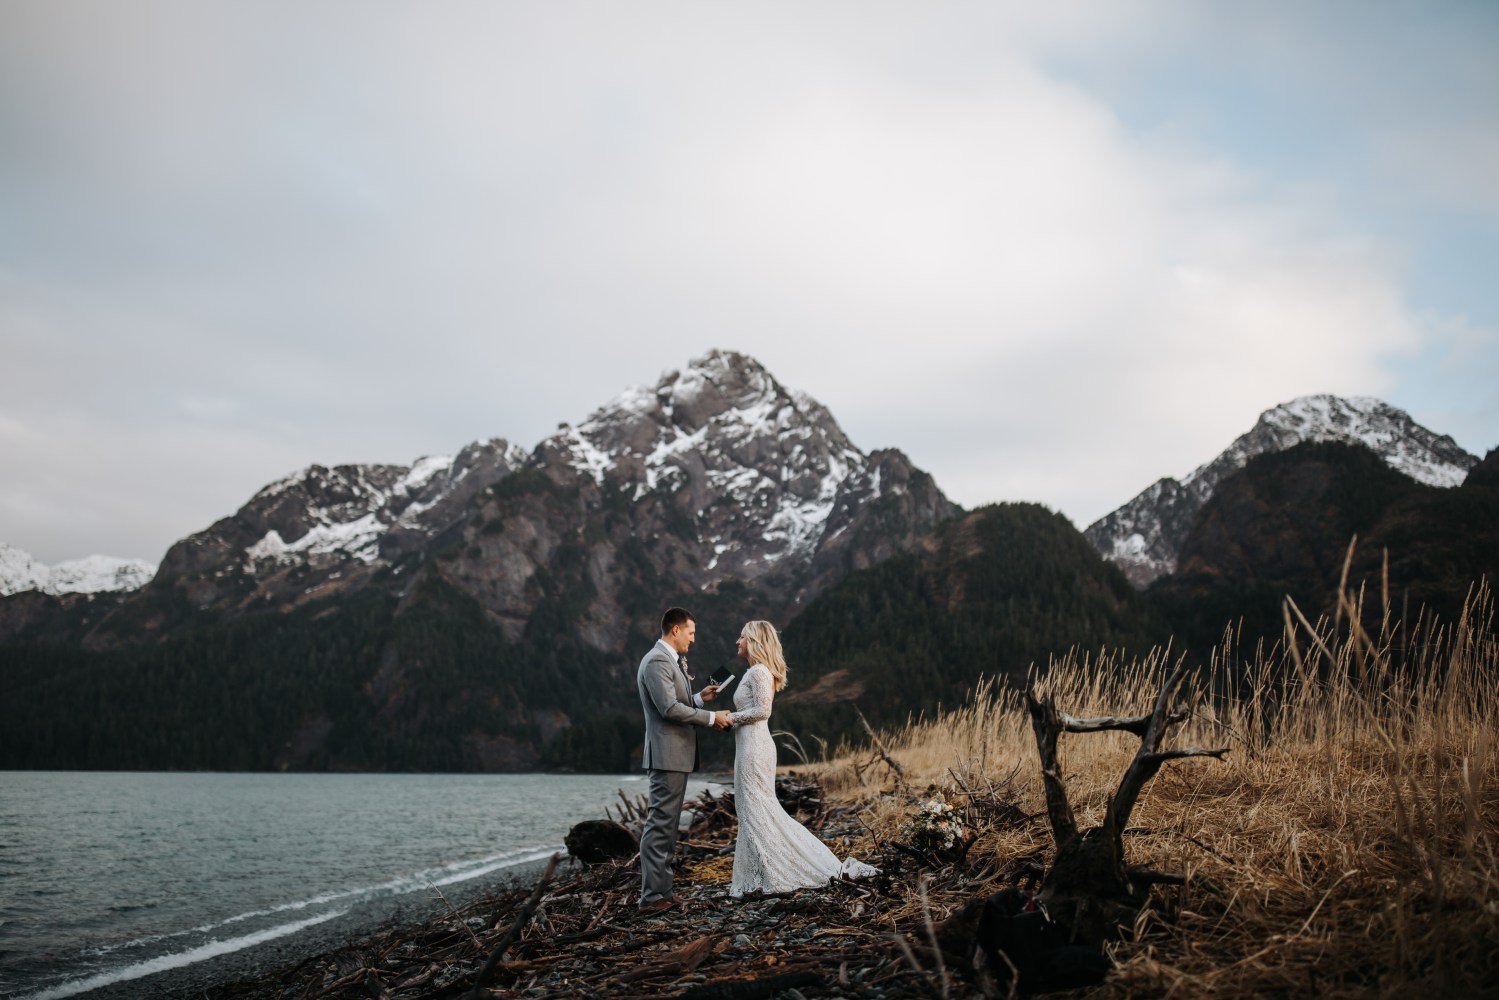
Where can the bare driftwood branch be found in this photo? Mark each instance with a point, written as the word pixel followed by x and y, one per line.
pixel 1149 758
pixel 455 914
pixel 683 959
pixel 521 920
pixel 900 774
pixel 1047 724
pixel 1136 724
pixel 1089 888
pixel 1142 875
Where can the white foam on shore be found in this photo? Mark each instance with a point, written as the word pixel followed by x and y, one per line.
pixel 161 963
pixel 510 862
pixel 458 871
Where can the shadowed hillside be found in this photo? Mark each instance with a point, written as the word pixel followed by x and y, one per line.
pixel 988 595
pixel 1282 526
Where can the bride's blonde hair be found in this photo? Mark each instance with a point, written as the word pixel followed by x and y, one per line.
pixel 763 644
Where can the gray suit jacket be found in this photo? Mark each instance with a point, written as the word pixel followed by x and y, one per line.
pixel 671 712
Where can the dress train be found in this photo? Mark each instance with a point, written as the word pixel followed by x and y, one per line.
pixel 773 852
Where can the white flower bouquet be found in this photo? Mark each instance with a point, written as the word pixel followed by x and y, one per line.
pixel 936 825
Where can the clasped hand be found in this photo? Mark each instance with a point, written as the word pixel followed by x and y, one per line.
pixel 721 720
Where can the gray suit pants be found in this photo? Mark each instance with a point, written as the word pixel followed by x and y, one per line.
pixel 658 840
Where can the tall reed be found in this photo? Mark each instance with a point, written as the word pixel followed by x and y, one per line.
pixel 1346 847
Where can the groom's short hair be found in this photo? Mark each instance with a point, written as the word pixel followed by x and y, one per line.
pixel 675 617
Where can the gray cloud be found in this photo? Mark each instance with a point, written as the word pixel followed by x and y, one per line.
pixel 242 238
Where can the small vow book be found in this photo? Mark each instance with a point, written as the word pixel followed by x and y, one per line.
pixel 723 685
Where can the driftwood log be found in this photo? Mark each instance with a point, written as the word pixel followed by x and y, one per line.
pixel 1090 890
pixel 1023 943
pixel 514 932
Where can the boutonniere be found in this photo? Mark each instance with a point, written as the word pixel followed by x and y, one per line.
pixel 685 668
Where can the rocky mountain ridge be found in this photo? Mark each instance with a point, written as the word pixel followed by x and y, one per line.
pixel 497 647
pixel 484 612
pixel 1321 516
pixel 1144 537
pixel 716 475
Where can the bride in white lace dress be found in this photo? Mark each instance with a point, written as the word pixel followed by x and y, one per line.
pixel 774 853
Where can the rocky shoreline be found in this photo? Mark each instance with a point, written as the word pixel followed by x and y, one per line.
pixel 581 934
pixel 265 960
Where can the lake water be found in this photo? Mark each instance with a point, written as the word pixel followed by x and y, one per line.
pixel 106 877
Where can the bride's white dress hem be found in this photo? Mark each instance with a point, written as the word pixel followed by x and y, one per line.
pixel 773 853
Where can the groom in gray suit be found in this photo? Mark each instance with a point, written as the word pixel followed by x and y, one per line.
pixel 671 712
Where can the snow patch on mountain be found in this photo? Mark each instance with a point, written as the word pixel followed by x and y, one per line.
pixel 774 459
pixel 759 471
pixel 422 472
pixel 323 515
pixel 357 539
pixel 1405 445
pixel 1144 537
pixel 19 571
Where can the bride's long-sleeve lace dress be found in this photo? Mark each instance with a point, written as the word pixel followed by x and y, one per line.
pixel 773 853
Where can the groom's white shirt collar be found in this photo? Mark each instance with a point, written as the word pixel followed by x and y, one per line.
pixel 675 656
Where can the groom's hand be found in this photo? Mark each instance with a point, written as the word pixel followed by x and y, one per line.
pixel 710 692
pixel 721 721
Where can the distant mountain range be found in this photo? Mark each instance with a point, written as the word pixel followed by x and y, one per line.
pixel 1000 591
pixel 484 611
pixel 1283 526
pixel 370 514
pixel 716 475
pixel 1144 537
pixel 527 582
pixel 92 575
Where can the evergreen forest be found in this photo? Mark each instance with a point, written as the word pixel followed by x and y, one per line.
pixel 428 683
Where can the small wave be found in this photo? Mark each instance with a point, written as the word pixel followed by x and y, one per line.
pixel 536 855
pixel 131 907
pixel 161 963
pixel 448 874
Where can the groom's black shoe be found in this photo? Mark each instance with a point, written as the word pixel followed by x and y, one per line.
pixel 653 908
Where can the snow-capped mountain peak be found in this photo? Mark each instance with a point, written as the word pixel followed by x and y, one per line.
pixel 759 468
pixel 90 575
pixel 759 461
pixel 715 474
pixel 1427 457
pixel 1145 536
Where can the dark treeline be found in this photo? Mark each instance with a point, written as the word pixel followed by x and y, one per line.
pixel 1283 526
pixel 431 685
pixel 1006 587
pixel 428 683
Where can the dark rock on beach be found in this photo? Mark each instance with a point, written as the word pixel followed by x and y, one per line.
pixel 596 840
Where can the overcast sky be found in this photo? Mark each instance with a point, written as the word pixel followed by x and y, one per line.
pixel 1052 251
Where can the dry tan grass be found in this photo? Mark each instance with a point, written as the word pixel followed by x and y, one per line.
pixel 1346 846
